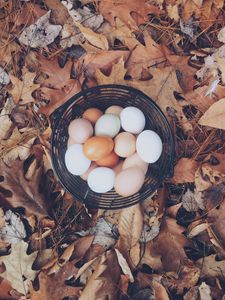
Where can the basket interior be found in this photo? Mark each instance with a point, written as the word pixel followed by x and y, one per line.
pixel 102 97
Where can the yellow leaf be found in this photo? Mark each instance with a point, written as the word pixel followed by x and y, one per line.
pixel 96 39
pixel 215 115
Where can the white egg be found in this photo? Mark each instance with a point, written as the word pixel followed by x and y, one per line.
pixel 132 119
pixel 149 146
pixel 76 162
pixel 101 180
pixel 107 125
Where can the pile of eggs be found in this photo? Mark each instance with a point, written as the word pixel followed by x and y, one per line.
pixel 112 150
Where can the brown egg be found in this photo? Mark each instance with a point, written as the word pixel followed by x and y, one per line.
pixel 80 130
pixel 135 161
pixel 109 161
pixel 98 147
pixel 92 114
pixel 92 167
pixel 114 109
pixel 129 181
pixel 125 144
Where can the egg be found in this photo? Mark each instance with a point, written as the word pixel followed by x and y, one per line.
pixel 107 125
pixel 80 130
pixel 135 161
pixel 92 167
pixel 76 162
pixel 70 141
pixel 125 144
pixel 129 181
pixel 118 167
pixel 109 161
pixel 101 180
pixel 114 109
pixel 92 114
pixel 98 147
pixel 149 146
pixel 132 119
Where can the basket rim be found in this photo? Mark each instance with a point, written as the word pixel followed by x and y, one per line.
pixel 55 119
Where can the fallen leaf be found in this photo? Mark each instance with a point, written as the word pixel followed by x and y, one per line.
pixel 210 267
pixel 4 77
pixel 159 291
pixel 53 286
pixel 104 280
pixel 192 201
pixel 199 98
pixel 19 267
pixel 96 39
pixel 215 115
pixel 130 226
pixel 157 253
pixel 184 170
pixel 28 14
pixel 124 9
pixel 23 192
pixel 59 13
pixel 41 33
pixel 23 89
pixel 124 265
pixel 13 231
pixel 204 291
pixel 145 56
pixel 6 122
pixel 5 289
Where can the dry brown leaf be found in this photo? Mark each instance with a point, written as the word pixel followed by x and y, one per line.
pixel 96 39
pixel 215 115
pixel 23 89
pixel 22 192
pixel 125 9
pixel 28 14
pixel 184 170
pixel 5 289
pixel 104 280
pixel 19 267
pixel 124 265
pixel 53 286
pixel 210 267
pixel 157 253
pixel 59 13
pixel 143 57
pixel 159 291
pixel 130 226
pixel 200 98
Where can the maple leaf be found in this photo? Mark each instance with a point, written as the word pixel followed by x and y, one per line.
pixel 215 115
pixel 123 10
pixel 24 192
pixel 23 89
pixel 19 267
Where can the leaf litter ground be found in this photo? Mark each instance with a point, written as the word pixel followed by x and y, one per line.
pixel 172 245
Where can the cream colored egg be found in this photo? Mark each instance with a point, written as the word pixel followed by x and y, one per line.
pixel 135 161
pixel 75 160
pixel 114 109
pixel 92 167
pixel 80 130
pixel 129 181
pixel 125 144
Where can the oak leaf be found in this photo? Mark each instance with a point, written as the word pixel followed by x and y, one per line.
pixel 53 286
pixel 22 192
pixel 23 89
pixel 184 170
pixel 19 267
pixel 123 10
pixel 215 115
pixel 96 39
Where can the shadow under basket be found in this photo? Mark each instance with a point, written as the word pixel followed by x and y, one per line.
pixel 102 97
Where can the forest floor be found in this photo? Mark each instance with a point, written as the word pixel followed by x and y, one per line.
pixel 170 246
